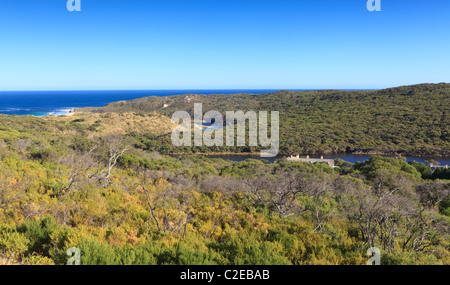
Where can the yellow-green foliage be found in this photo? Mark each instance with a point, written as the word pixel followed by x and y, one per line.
pixel 13 244
pixel 202 211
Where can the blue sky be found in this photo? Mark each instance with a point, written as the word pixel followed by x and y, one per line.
pixel 207 44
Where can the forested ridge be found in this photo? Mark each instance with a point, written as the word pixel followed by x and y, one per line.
pixel 96 181
pixel 412 120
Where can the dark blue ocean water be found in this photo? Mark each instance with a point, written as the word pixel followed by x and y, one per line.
pixel 42 103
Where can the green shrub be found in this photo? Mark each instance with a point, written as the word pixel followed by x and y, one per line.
pixel 38 233
pixel 35 259
pixel 441 173
pixel 444 207
pixel 13 244
pixel 94 252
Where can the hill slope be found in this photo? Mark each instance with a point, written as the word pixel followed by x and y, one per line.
pixel 409 119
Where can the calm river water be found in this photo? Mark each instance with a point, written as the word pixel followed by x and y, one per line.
pixel 352 158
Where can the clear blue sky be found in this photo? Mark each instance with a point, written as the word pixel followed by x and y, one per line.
pixel 185 44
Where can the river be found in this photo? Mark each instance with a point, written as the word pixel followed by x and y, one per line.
pixel 352 158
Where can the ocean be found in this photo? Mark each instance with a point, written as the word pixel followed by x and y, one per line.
pixel 44 103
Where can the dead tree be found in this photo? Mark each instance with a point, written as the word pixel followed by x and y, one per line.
pixel 117 147
pixel 282 192
pixel 79 166
pixel 164 197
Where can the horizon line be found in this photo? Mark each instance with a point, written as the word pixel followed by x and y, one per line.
pixel 205 89
pixel 187 89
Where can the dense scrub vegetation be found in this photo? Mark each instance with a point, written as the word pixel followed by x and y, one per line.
pixel 120 205
pixel 412 120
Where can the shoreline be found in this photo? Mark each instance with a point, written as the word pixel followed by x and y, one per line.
pixel 66 112
pixel 69 112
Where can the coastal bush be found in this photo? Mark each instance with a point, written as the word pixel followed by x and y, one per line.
pixel 441 173
pixel 12 243
pixel 444 206
pixel 424 170
pixel 38 232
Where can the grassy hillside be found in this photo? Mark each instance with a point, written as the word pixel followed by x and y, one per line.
pixel 412 120
pixel 101 124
